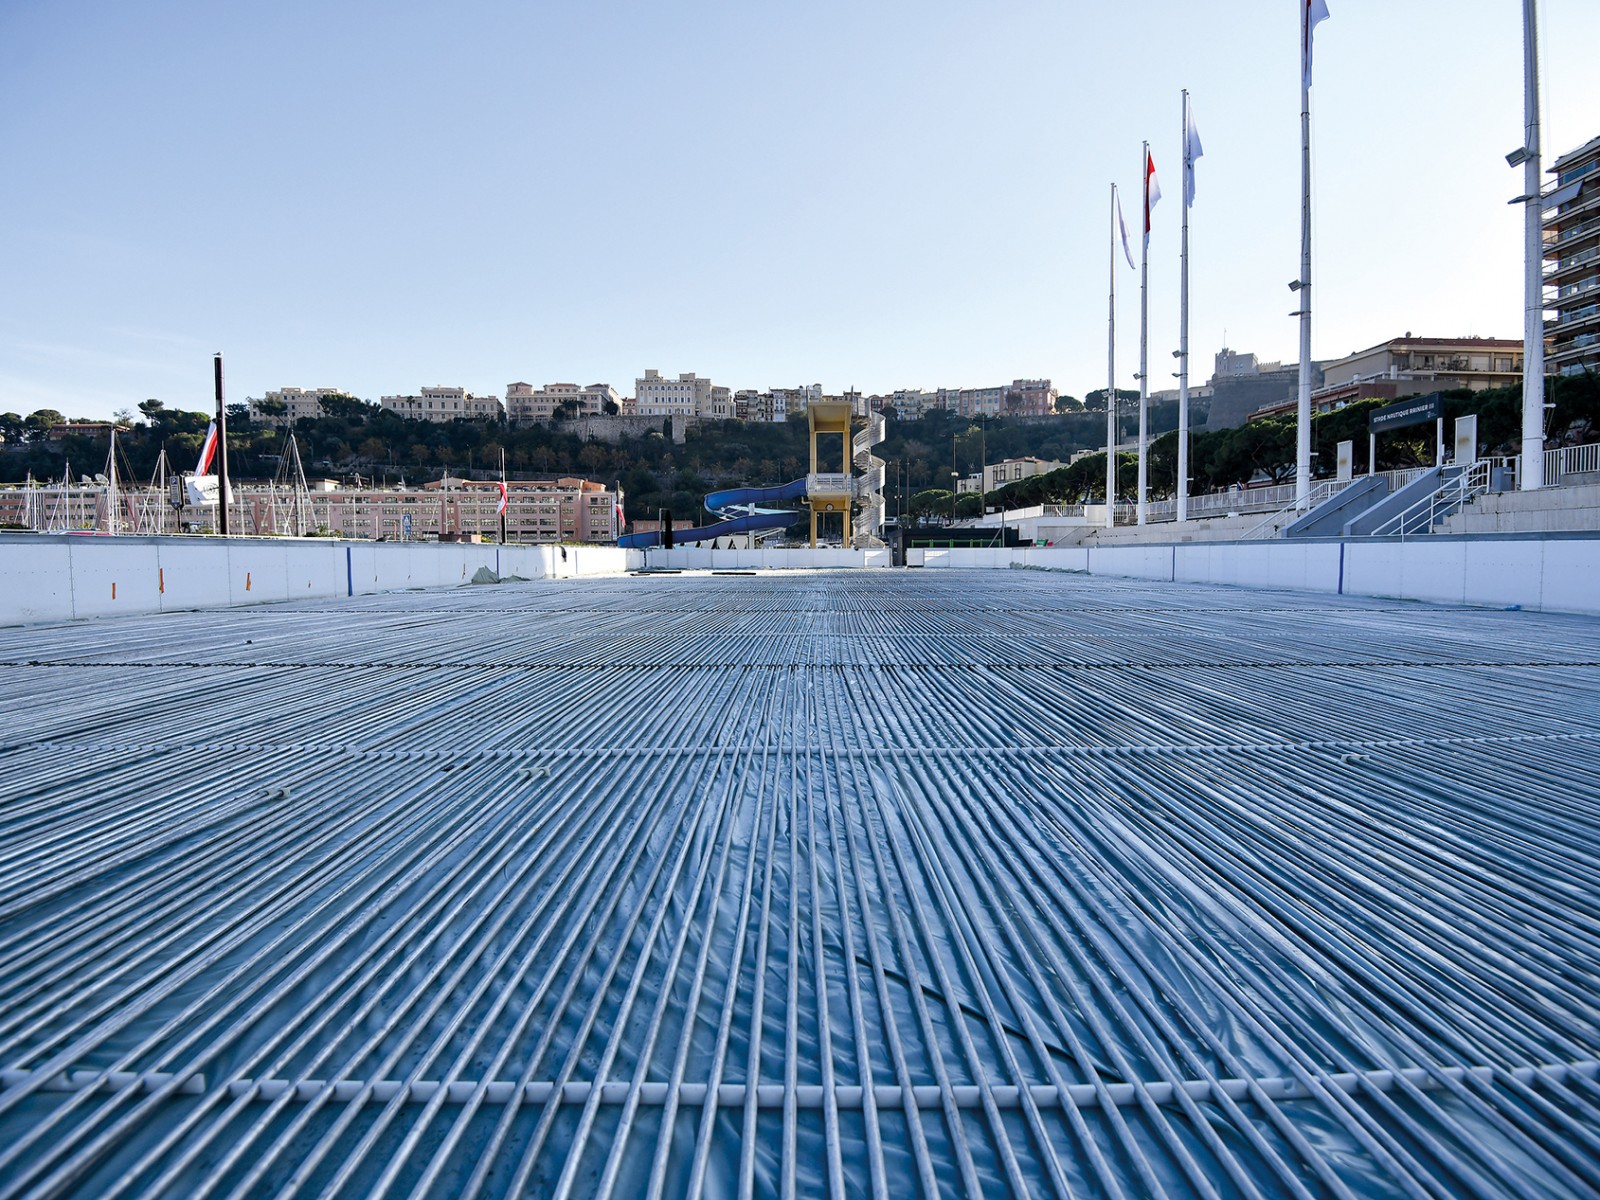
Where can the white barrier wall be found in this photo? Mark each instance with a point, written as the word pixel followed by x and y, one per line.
pixel 1555 574
pixel 697 558
pixel 49 578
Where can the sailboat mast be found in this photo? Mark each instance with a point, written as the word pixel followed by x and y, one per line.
pixel 111 484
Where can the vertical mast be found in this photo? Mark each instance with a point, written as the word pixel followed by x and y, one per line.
pixel 1144 337
pixel 1111 375
pixel 1532 474
pixel 1183 327
pixel 1302 449
pixel 222 452
pixel 111 483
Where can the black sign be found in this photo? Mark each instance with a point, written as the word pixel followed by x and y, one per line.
pixel 1414 410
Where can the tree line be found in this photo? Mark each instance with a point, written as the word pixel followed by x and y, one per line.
pixel 354 441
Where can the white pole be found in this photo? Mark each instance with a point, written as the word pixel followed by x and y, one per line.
pixel 1302 450
pixel 1532 474
pixel 1183 328
pixel 1144 337
pixel 1111 376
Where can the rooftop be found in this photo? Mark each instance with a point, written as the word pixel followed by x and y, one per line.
pixel 996 882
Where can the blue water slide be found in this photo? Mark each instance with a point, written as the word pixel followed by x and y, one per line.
pixel 744 498
pixel 742 510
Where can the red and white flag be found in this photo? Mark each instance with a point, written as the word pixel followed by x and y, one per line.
pixel 208 451
pixel 1315 12
pixel 501 510
pixel 1152 190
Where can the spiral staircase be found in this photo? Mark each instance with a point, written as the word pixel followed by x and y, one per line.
pixel 869 485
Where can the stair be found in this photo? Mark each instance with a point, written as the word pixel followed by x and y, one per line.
pixel 869 485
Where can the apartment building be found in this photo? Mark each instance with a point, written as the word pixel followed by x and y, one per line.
pixel 552 510
pixel 1410 366
pixel 444 404
pixel 689 395
pixel 298 404
pixel 1572 263
pixel 527 405
pixel 1010 470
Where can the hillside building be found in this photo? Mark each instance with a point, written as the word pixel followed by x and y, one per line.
pixel 299 404
pixel 527 405
pixel 444 404
pixel 689 395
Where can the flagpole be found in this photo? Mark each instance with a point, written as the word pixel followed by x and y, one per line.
pixel 1302 449
pixel 1532 474
pixel 504 502
pixel 1144 339
pixel 1183 326
pixel 1111 376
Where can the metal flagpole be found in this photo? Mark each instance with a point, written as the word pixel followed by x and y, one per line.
pixel 1111 376
pixel 1183 328
pixel 1532 473
pixel 1144 339
pixel 1302 449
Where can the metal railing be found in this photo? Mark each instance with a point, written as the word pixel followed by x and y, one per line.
pixel 1454 493
pixel 1267 527
pixel 1571 460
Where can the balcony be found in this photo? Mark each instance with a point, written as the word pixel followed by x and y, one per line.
pixel 1571 319
pixel 1571 235
pixel 1585 261
pixel 828 484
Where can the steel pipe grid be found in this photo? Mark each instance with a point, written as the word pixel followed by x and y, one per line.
pixel 856 883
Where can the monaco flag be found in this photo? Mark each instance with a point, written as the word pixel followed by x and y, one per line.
pixel 1152 190
pixel 208 451
pixel 501 510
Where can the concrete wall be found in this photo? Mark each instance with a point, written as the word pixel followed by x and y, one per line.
pixel 59 577
pixel 695 558
pixel 1570 508
pixel 1552 574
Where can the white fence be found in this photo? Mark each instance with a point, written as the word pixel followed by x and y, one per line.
pixel 57 577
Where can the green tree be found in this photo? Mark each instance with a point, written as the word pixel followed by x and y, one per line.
pixel 929 503
pixel 41 421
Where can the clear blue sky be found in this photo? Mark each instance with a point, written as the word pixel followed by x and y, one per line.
pixel 890 194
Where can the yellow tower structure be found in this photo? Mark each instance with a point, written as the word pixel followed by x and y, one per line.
pixel 829 488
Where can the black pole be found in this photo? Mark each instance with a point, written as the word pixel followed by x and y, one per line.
pixel 222 452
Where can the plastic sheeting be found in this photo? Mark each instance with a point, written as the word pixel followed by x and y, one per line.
pixel 806 884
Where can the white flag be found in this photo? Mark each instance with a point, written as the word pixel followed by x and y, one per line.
pixel 1316 11
pixel 1191 151
pixel 1123 226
